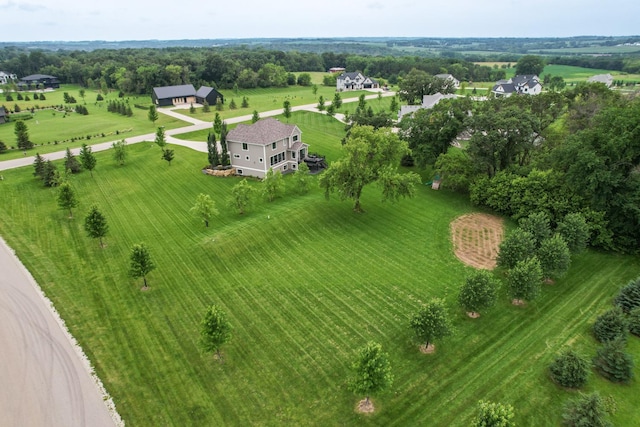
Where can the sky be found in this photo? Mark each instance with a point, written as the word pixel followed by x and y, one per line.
pixel 114 20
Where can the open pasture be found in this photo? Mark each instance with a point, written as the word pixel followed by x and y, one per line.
pixel 305 282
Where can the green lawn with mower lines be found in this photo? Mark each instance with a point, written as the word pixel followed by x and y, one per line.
pixel 305 282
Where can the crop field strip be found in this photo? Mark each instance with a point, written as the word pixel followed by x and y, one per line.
pixel 305 282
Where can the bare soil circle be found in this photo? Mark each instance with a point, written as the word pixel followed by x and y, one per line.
pixel 430 349
pixel 476 239
pixel 365 406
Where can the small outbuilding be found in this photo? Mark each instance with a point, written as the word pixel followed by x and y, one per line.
pixel 166 96
pixel 209 94
pixel 3 115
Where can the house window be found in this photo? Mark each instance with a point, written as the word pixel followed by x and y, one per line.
pixel 260 160
pixel 293 154
pixel 284 168
pixel 245 146
pixel 236 156
pixel 295 138
pixel 293 166
pixel 239 171
pixel 274 145
pixel 247 158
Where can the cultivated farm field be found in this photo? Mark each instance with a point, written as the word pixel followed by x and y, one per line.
pixel 305 282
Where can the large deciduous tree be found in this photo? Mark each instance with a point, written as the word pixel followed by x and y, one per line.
pixel 204 208
pixel 418 83
pixel 141 263
pixel 575 231
pixel 554 256
pixel 517 246
pixel 95 224
pixel 67 198
pixel 301 179
pixel 530 64
pixel 478 292
pixel 431 322
pixel 370 156
pixel 371 371
pixel 215 330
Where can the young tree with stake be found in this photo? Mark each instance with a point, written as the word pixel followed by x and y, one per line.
pixel 141 263
pixel 204 208
pixel 215 331
pixel 95 224
pixel 67 198
pixel 371 372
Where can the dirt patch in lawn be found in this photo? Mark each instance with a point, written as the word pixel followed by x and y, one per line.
pixel 476 239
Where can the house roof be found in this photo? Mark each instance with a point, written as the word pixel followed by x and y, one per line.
pixel 164 92
pixel 34 77
pixel 601 78
pixel 263 132
pixel 352 76
pixel 204 91
pixel 446 76
pixel 428 101
pixel 521 79
pixel 506 88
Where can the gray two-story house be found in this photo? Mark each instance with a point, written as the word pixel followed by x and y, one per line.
pixel 268 143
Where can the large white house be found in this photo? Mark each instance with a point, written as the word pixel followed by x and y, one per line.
pixel 6 78
pixel 456 82
pixel 355 81
pixel 267 143
pixel 520 84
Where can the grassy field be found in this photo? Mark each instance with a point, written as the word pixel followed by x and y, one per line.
pixel 52 130
pixel 305 283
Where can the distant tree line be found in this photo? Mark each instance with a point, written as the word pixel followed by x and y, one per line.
pixel 137 71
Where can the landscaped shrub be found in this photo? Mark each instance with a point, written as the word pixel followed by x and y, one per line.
pixel 629 297
pixel 569 369
pixel 613 362
pixel 611 325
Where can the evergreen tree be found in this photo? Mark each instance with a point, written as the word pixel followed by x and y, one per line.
pixel 224 151
pixel 3 147
pixel 232 104
pixel 321 106
pixel 337 101
pixel 255 117
pixel 152 115
pixel 39 166
pixel 613 362
pixel 245 102
pixel 634 321
pixel 22 135
pixel 206 107
pixel 192 109
pixel 50 176
pixel 215 330
pixel 570 369
pixel 71 163
pixel 586 411
pixel 161 140
pixel 286 112
pixel 88 159
pixel 95 224
pixel 629 296
pixel 212 150
pixel 67 198
pixel 611 325
pixel 219 105
pixel 217 124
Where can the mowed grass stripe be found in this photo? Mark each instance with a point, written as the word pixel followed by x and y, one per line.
pixel 305 283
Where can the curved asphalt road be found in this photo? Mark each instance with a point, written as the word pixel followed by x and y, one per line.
pixel 45 379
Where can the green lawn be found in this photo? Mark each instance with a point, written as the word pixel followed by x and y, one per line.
pixel 305 283
pixel 52 130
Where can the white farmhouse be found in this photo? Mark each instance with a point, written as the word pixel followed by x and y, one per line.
pixel 355 81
